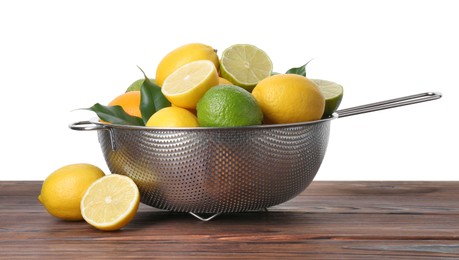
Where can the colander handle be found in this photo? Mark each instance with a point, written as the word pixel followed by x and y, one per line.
pixel 86 126
pixel 391 103
pixel 90 126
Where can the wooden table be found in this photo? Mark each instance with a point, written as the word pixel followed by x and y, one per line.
pixel 330 220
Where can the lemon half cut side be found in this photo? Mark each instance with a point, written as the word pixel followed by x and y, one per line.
pixel 185 86
pixel 111 202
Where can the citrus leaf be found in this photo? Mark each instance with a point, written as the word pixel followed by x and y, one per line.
pixel 115 115
pixel 299 70
pixel 151 98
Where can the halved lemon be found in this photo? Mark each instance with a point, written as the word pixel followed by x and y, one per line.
pixel 111 202
pixel 186 85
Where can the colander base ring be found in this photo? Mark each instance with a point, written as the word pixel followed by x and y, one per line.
pixel 205 219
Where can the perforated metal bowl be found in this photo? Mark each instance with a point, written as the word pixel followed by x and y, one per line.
pixel 220 170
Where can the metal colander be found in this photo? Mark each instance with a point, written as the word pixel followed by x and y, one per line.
pixel 220 170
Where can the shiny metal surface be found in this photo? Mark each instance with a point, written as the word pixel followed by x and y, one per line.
pixel 221 170
pixel 217 170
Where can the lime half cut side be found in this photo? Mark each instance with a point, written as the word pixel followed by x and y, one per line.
pixel 333 94
pixel 245 65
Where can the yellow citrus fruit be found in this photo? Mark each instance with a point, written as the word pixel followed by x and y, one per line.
pixel 289 98
pixel 192 110
pixel 223 81
pixel 129 101
pixel 63 189
pixel 111 202
pixel 183 55
pixel 185 86
pixel 173 117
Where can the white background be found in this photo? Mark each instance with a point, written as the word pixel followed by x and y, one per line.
pixel 57 56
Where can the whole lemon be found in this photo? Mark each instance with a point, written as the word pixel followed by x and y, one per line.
pixel 62 190
pixel 289 98
pixel 173 117
pixel 183 55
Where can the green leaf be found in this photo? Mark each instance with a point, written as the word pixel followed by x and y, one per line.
pixel 115 115
pixel 299 70
pixel 151 98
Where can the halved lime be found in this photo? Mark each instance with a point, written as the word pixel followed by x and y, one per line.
pixel 245 65
pixel 333 94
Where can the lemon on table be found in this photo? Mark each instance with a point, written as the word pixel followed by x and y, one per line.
pixel 245 65
pixel 111 202
pixel 185 86
pixel 183 55
pixel 63 189
pixel 173 117
pixel 228 106
pixel 289 98
pixel 333 94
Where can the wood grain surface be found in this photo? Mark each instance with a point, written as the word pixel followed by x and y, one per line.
pixel 330 220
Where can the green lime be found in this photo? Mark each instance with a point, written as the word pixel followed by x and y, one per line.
pixel 245 65
pixel 137 84
pixel 228 106
pixel 333 94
